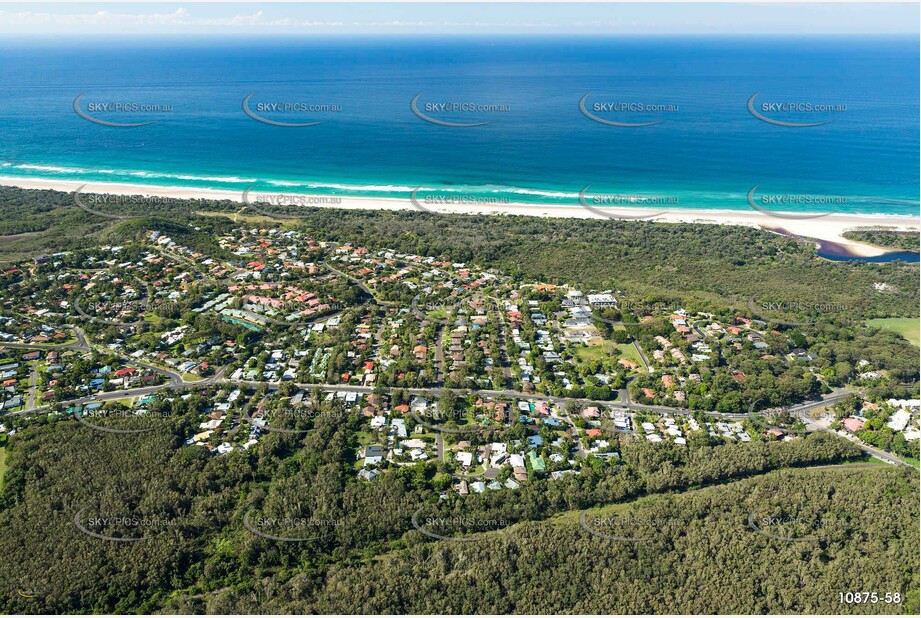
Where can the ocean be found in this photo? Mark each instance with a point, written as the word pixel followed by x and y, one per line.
pixel 691 140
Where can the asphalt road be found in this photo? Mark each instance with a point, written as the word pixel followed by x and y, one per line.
pixel 176 383
pixel 433 392
pixel 802 412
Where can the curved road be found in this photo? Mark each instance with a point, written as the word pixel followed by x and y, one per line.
pixel 176 382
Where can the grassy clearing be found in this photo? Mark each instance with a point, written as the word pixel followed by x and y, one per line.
pixel 605 348
pixel 628 351
pixel 910 328
pixel 594 352
pixel 243 218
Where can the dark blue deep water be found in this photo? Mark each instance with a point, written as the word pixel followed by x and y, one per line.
pixel 707 150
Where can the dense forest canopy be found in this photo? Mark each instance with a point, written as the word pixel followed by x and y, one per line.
pixel 194 515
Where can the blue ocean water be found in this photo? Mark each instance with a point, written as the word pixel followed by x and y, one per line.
pixel 706 150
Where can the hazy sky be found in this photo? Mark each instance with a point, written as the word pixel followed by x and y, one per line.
pixel 111 19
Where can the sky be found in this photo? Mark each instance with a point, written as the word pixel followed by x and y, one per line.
pixel 36 19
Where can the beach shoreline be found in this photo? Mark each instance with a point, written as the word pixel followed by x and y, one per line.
pixel 829 228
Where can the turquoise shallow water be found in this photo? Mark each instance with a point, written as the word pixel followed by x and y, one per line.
pixel 706 150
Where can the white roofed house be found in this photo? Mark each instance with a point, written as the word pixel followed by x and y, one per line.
pixel 905 417
pixel 604 299
pixel 899 420
pixel 398 426
pixel 464 458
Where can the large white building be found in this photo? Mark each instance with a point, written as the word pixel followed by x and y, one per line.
pixel 602 300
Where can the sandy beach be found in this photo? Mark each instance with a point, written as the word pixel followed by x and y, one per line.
pixel 828 228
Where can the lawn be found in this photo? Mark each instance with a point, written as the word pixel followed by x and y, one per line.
pixel 628 351
pixel 907 327
pixel 608 348
pixel 594 352
pixel 437 314
pixel 154 320
pixel 2 464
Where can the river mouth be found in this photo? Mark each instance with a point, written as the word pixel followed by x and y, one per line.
pixel 837 252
